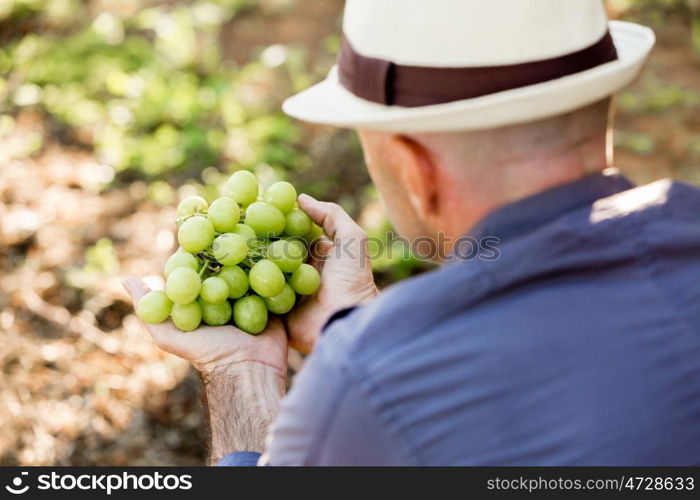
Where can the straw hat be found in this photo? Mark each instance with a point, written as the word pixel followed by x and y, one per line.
pixel 441 65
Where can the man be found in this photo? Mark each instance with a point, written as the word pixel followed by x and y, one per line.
pixel 579 344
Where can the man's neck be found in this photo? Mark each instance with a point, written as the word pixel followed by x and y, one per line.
pixel 498 185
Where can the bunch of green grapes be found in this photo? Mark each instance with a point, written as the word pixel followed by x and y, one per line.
pixel 241 258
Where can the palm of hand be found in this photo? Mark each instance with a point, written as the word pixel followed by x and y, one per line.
pixel 211 348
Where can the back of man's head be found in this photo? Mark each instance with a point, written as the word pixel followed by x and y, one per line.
pixel 445 182
pixel 540 141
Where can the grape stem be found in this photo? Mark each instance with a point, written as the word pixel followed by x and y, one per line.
pixel 205 266
pixel 180 220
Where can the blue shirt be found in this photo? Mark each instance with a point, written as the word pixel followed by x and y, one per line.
pixel 578 345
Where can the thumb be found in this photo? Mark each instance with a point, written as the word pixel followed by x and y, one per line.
pixel 136 288
pixel 162 333
pixel 335 221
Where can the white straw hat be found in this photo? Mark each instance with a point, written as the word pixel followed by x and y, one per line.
pixel 441 65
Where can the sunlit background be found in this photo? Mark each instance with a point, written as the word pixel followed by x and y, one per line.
pixel 113 110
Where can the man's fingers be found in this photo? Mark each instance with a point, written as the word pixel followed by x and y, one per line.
pixel 320 249
pixel 336 223
pixel 313 209
pixel 161 333
pixel 136 288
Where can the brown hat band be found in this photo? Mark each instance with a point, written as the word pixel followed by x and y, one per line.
pixel 384 82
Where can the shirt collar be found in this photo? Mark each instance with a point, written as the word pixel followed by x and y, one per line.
pixel 525 215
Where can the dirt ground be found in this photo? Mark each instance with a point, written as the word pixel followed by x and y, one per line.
pixel 80 382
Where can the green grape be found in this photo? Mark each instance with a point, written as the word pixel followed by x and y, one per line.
pixel 192 205
pixel 154 307
pixel 224 214
pixel 250 314
pixel 186 317
pixel 180 259
pixel 305 280
pixel 266 278
pixel 282 302
pixel 214 290
pixel 314 233
pixel 236 279
pixel 216 314
pixel 183 285
pixel 244 230
pixel 247 233
pixel 281 195
pixel 264 219
pixel 242 187
pixel 287 254
pixel 297 223
pixel 229 249
pixel 195 234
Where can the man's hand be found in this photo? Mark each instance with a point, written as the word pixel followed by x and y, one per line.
pixel 346 275
pixel 243 375
pixel 214 350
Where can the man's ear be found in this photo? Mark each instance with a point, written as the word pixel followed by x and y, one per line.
pixel 417 172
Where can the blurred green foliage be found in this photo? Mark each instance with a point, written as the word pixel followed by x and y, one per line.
pixel 147 89
pixel 144 84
